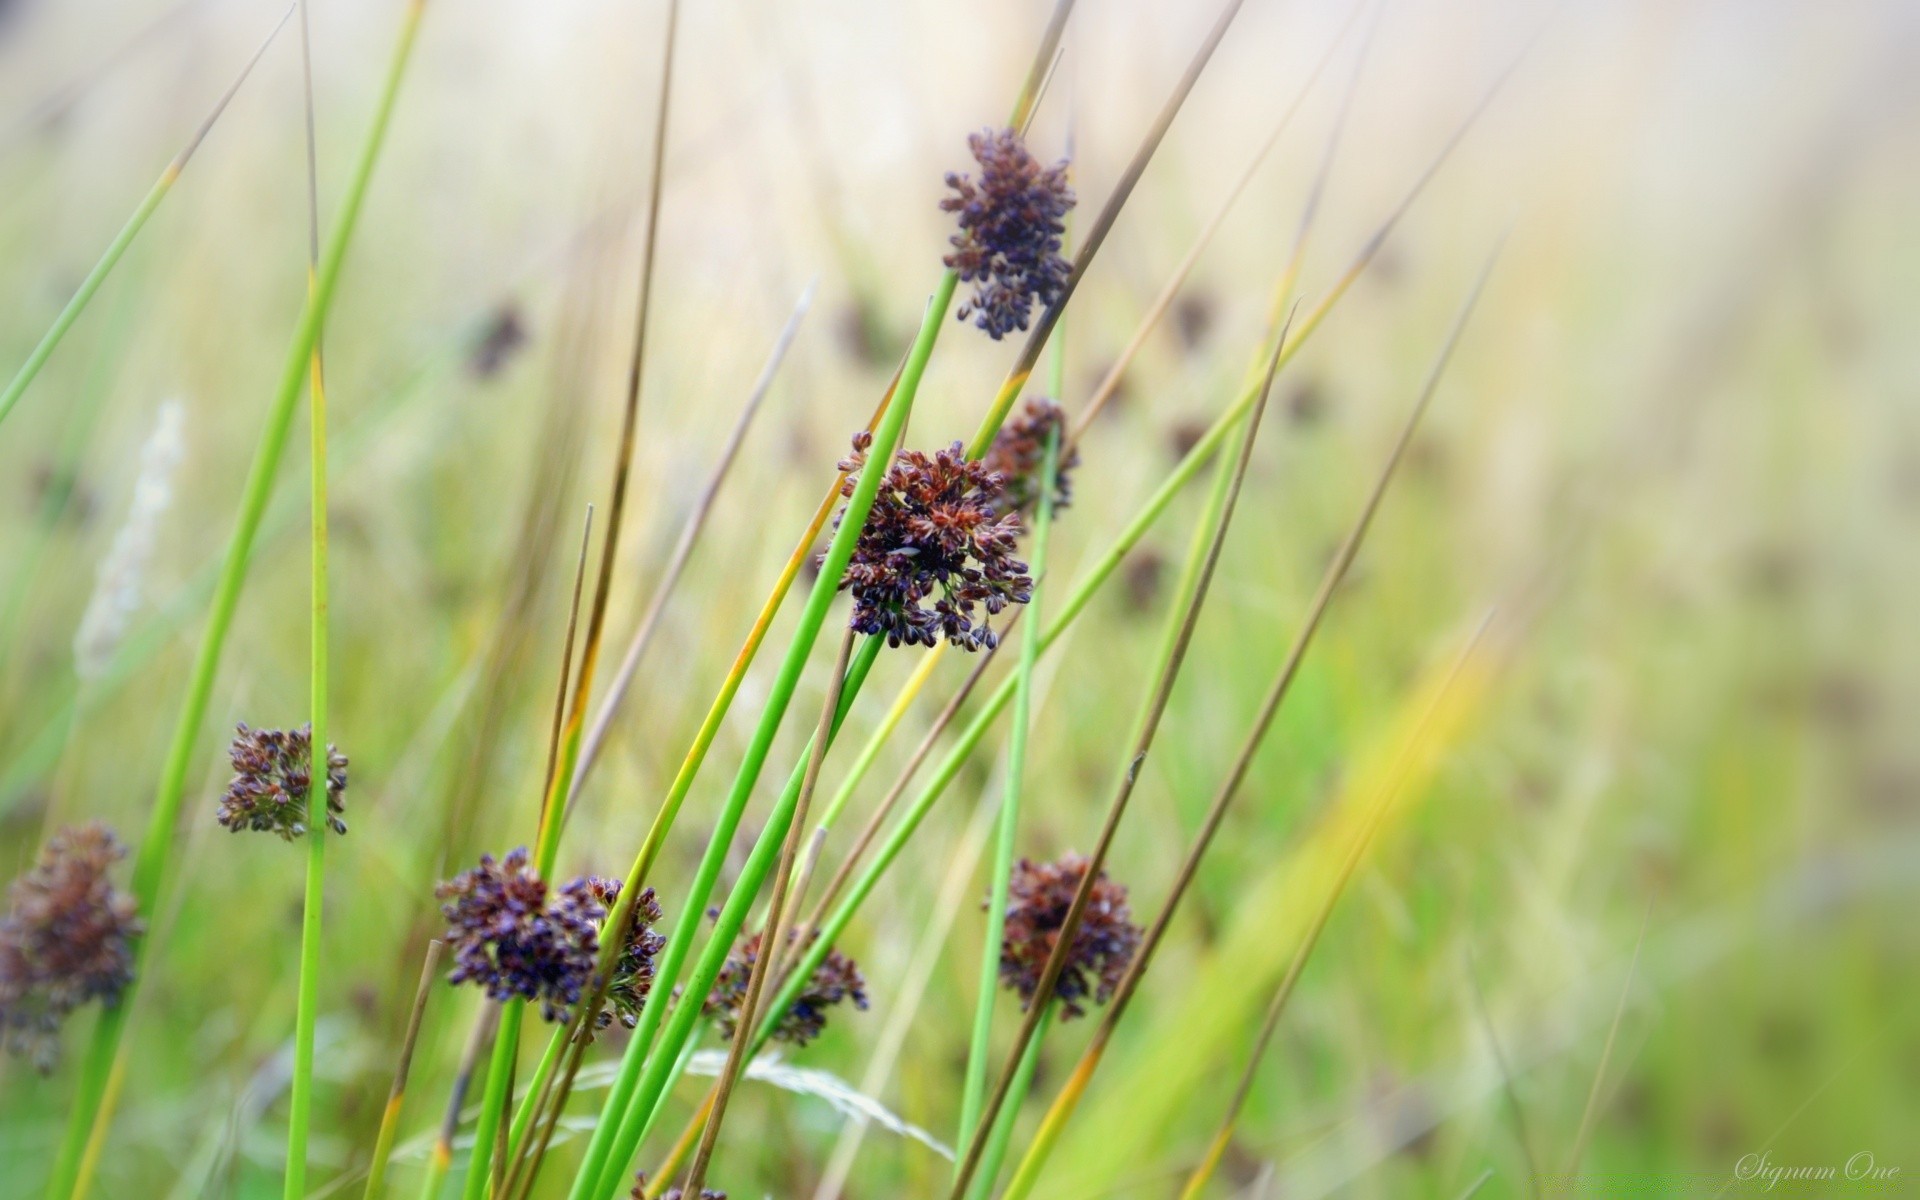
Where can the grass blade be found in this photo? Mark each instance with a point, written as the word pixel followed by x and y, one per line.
pixel 307 1008
pixel 397 1095
pixel 117 248
pixel 1007 827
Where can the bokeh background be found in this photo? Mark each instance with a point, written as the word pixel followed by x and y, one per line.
pixel 1677 457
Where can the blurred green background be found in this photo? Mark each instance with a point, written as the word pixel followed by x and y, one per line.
pixel 1677 456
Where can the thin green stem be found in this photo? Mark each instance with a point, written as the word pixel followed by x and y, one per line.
pixel 397 1095
pixel 495 1098
pixel 92 1107
pixel 975 1085
pixel 319 761
pixel 1002 1134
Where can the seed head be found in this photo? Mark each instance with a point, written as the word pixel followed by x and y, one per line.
pixel 1008 246
pixel 271 778
pixel 1038 896
pixel 837 978
pixel 67 938
pixel 934 532
pixel 513 938
pixel 633 973
pixel 1019 454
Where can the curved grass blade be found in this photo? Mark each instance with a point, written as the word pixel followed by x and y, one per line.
pixel 117 248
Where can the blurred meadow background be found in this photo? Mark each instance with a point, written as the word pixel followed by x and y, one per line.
pixel 1642 909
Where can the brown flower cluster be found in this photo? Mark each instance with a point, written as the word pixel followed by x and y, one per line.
pixel 67 938
pixel 935 533
pixel 1011 223
pixel 1019 456
pixel 1038 897
pixel 271 779
pixel 837 978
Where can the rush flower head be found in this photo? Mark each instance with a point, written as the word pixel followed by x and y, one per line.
pixel 1038 896
pixel 1008 246
pixel 837 978
pixel 633 973
pixel 271 779
pixel 67 938
pixel 514 938
pixel 934 533
pixel 1019 454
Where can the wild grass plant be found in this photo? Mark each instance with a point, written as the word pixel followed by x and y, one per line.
pixel 1435 823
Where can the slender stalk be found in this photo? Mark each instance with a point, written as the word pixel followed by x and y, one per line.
pixel 1515 1112
pixel 1002 1132
pixel 878 817
pixel 1357 849
pixel 877 741
pixel 440 1158
pixel 773 936
pixel 306 1014
pixel 682 551
pixel 92 1108
pixel 117 248
pixel 1028 1171
pixel 397 1095
pixel 1149 724
pixel 1109 383
pixel 551 812
pixel 1592 1107
pixel 1007 828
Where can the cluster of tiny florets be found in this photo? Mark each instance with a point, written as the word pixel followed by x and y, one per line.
pixel 935 532
pixel 837 978
pixel 271 779
pixel 67 938
pixel 1019 456
pixel 1011 223
pixel 633 973
pixel 514 937
pixel 1038 896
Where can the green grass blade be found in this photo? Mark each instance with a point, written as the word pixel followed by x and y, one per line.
pixel 117 249
pixel 1006 829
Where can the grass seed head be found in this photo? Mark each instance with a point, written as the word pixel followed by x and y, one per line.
pixel 837 978
pixel 271 779
pixel 1011 224
pixel 67 938
pixel 935 532
pixel 513 937
pixel 1019 454
pixel 1038 897
pixel 633 973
